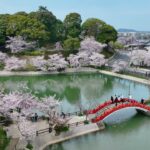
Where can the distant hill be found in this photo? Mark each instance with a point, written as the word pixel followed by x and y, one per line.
pixel 131 30
pixel 126 30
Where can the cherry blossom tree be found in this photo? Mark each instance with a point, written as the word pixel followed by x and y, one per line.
pixel 3 57
pixel 79 60
pixel 26 128
pixel 89 44
pixel 40 63
pixel 26 102
pixel 13 63
pixel 18 44
pixel 119 66
pixel 125 40
pixel 84 59
pixel 58 46
pixel 97 59
pixel 56 62
pixel 53 63
pixel 138 57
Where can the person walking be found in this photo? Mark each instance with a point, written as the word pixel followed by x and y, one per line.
pixel 142 101
pixel 112 99
pixel 116 100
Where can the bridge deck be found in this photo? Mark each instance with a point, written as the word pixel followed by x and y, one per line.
pixel 111 108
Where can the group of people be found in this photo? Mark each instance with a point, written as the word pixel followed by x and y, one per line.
pixel 121 99
pixel 116 99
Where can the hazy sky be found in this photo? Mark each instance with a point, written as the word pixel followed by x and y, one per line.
pixel 134 14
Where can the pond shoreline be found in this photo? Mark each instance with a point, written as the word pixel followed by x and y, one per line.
pixel 72 70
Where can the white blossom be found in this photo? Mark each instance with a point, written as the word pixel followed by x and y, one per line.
pixel 58 46
pixel 13 63
pixel 90 45
pixel 18 44
pixel 3 57
pixel 83 59
pixel 54 63
pixel 119 66
pixel 27 103
pixel 40 63
pixel 97 59
pixel 140 57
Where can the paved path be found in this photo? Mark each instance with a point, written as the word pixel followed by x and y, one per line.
pixel 120 56
pixel 13 143
pixel 44 139
pixel 140 80
pixel 41 142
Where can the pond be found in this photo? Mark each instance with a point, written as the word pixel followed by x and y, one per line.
pixel 86 91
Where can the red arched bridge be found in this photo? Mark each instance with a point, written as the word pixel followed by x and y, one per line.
pixel 107 108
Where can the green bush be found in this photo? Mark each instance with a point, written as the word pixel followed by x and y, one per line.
pixel 29 146
pixel 30 67
pixel 62 128
pixel 29 53
pixel 4 141
pixel 80 114
pixel 2 118
pixel 86 122
pixel 2 65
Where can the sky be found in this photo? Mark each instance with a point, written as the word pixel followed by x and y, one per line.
pixel 132 14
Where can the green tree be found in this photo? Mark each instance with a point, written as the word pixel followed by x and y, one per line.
pixel 72 24
pixel 92 27
pixel 100 30
pixel 31 29
pixel 71 46
pixel 48 19
pixel 3 26
pixel 107 34
pixel 23 13
pixel 59 31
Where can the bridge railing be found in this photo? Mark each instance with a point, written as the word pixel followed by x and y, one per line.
pixel 107 103
pixel 120 106
pixel 76 124
pixel 43 131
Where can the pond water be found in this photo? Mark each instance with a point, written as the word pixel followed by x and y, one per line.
pixel 88 90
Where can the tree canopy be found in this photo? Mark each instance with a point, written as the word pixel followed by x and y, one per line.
pixel 30 29
pixel 100 30
pixel 43 27
pixel 72 24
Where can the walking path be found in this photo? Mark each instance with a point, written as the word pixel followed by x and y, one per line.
pixel 42 140
pixel 140 80
pixel 13 143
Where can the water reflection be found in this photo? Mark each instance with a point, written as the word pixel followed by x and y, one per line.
pixel 132 134
pixel 84 89
pixel 88 90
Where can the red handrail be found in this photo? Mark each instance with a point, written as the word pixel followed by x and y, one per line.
pixel 107 103
pixel 119 107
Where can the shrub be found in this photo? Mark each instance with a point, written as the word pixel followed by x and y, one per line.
pixel 29 146
pixel 2 65
pixel 30 67
pixel 80 114
pixel 86 122
pixel 4 141
pixel 61 128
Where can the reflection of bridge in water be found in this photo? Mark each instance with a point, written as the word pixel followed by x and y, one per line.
pixel 108 108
